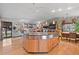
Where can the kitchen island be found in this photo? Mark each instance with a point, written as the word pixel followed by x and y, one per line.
pixel 40 41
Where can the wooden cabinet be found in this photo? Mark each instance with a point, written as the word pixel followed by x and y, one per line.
pixel 40 42
pixel 43 46
pixel 30 45
pixel 35 45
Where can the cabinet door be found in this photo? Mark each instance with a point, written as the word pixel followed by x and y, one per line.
pixel 43 46
pixel 49 44
pixel 33 45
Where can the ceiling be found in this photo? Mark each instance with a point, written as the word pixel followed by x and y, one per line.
pixel 35 12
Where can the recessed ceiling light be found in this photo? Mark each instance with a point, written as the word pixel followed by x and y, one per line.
pixel 69 8
pixel 53 11
pixel 59 9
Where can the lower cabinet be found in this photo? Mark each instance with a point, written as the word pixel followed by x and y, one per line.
pixel 43 46
pixel 35 45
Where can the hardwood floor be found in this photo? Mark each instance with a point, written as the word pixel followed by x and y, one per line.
pixel 13 46
pixel 66 48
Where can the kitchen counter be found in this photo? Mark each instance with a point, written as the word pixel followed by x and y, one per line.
pixel 41 35
pixel 40 41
